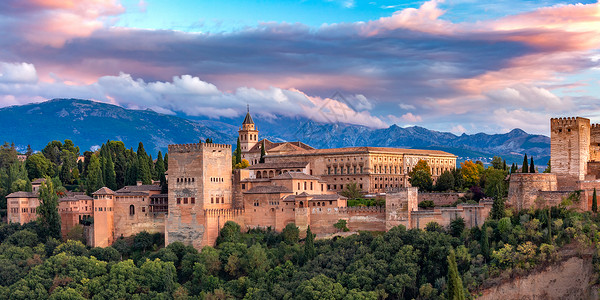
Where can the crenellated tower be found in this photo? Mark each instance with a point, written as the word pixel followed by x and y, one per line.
pixel 570 147
pixel 248 134
pixel 200 178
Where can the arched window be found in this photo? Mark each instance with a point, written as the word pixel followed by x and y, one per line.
pixel 131 210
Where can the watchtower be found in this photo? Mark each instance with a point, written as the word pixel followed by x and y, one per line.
pixel 570 146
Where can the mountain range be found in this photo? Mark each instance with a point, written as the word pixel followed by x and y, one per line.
pixel 89 124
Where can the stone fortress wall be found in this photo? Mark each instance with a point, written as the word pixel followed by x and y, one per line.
pixel 575 164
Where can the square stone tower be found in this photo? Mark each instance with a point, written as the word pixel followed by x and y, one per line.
pixel 200 178
pixel 570 148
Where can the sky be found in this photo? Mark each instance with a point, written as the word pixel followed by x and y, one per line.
pixel 462 66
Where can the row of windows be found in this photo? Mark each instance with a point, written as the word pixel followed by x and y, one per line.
pixel 252 137
pixel 307 184
pixel 186 180
pixel 345 170
pixel 341 186
pixel 217 199
pixel 216 179
pixel 23 210
pixel 192 200
pixel 103 209
pixel 381 185
pixel 341 159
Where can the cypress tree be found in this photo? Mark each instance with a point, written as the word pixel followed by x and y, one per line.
pixel 497 211
pixel 504 166
pixel 525 167
pixel 594 202
pixel 238 152
pixel 309 245
pixel 109 176
pixel 485 243
pixel 94 176
pixel 166 161
pixel 455 287
pixel 262 153
pixel 48 217
pixel 159 166
pixel 531 166
pixel 143 167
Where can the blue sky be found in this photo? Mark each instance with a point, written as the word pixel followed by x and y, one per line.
pixel 454 65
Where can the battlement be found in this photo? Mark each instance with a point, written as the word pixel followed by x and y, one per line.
pixel 195 147
pixel 215 212
pixel 362 209
pixel 595 126
pixel 567 121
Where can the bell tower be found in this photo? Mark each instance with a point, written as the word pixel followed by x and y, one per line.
pixel 248 134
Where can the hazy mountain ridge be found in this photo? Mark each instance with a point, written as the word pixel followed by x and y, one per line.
pixel 90 123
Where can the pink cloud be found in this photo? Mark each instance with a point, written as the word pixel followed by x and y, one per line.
pixel 424 19
pixel 58 21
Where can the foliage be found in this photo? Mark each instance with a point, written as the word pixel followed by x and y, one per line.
pixel 420 176
pixel 351 191
pixel 341 225
pixel 525 167
pixel 426 204
pixel 366 202
pixel 445 182
pixel 594 202
pixel 471 173
pixel 309 245
pixel 455 286
pixel 48 217
pixel 242 165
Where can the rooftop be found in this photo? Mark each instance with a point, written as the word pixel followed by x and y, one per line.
pixel 268 189
pixel 103 191
pixel 355 150
pixel 279 165
pixel 295 175
pixel 22 195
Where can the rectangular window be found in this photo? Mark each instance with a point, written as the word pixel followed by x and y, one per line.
pixel 185 200
pixel 143 209
pixel 243 186
pixel 178 200
pixel 193 200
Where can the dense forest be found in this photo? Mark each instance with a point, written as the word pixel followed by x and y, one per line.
pixel 111 165
pixel 436 263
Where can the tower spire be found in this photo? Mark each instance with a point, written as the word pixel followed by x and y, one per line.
pixel 247 108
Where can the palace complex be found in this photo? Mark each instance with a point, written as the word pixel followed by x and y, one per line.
pixel 296 183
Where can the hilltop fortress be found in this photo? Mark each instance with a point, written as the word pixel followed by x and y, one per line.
pixel 575 164
pixel 298 184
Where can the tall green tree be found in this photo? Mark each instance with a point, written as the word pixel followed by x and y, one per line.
pixel 420 176
pixel 548 167
pixel 445 182
pixel 498 212
pixel 455 287
pixel 94 179
pixel 262 153
pixel 144 172
pixel 484 242
pixel 594 202
pixel 166 161
pixel 37 166
pixel 525 168
pixel 531 166
pixel 309 245
pixel 48 217
pixel 237 154
pixel 110 179
pixel 497 162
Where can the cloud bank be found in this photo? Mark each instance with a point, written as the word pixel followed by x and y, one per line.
pixel 412 67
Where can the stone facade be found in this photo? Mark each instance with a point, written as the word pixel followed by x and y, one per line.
pixel 295 184
pixel 575 162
